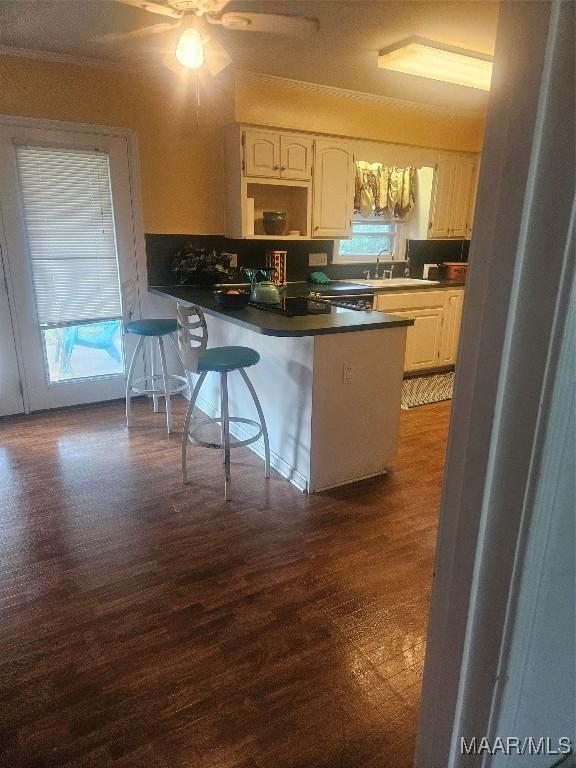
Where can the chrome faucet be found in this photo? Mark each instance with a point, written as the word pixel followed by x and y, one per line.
pixel 386 271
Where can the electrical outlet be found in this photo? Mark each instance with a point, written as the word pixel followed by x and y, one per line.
pixel 347 373
pixel 317 259
pixel 233 260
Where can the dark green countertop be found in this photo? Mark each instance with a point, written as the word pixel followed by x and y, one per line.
pixel 271 324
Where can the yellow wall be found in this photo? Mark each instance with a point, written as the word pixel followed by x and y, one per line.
pixel 269 101
pixel 181 166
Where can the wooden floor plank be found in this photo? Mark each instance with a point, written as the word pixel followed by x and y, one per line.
pixel 144 623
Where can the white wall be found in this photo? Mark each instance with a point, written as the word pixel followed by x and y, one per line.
pixel 500 647
pixel 539 696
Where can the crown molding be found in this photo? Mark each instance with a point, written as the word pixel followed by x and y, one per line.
pixel 372 98
pixel 66 58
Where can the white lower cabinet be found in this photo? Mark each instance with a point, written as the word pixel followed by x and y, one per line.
pixel 453 302
pixel 432 341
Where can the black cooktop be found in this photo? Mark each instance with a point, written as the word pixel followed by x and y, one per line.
pixel 295 306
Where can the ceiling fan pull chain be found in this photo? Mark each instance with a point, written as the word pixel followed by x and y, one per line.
pixel 197 100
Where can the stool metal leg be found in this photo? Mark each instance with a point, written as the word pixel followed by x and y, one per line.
pixel 225 431
pixel 262 422
pixel 166 381
pixel 153 370
pixel 187 373
pixel 186 427
pixel 129 381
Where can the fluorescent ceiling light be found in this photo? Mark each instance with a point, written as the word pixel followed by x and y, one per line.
pixel 425 58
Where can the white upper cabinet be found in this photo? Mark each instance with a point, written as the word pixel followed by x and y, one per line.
pixel 273 155
pixel 295 157
pixel 261 153
pixel 441 199
pixel 453 192
pixel 462 188
pixel 333 189
pixel 472 207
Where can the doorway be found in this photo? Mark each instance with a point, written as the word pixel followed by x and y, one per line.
pixel 68 246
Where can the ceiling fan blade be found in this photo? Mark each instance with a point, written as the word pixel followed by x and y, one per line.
pixel 298 26
pixel 145 5
pixel 117 37
pixel 217 57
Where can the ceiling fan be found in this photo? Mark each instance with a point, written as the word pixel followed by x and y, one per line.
pixel 196 45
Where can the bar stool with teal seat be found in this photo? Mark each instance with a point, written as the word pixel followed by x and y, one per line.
pixel 150 332
pixel 198 359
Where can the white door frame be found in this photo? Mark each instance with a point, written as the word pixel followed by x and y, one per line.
pixel 129 135
pixel 11 402
pixel 516 307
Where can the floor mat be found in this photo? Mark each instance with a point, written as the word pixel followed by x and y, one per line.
pixel 421 390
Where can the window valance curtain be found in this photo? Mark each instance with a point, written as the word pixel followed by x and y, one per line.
pixel 384 191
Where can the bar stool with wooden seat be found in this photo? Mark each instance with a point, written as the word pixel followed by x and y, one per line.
pixel 150 332
pixel 196 358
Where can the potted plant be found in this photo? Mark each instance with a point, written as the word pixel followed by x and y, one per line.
pixel 197 266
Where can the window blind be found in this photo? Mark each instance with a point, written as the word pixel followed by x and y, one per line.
pixel 69 221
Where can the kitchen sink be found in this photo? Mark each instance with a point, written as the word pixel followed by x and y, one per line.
pixel 395 282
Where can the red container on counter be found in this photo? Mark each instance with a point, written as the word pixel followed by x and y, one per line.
pixel 453 270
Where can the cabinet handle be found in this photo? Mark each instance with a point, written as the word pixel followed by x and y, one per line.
pixel 276 168
pixel 282 167
pixel 316 229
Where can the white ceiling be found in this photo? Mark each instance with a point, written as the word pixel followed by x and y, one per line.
pixel 342 54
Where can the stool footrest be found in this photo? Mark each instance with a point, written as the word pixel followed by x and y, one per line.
pixel 193 433
pixel 152 379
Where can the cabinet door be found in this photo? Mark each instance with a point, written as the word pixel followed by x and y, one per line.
pixel 295 157
pixel 261 153
pixel 453 302
pixel 423 340
pixel 333 186
pixel 441 199
pixel 462 184
pixel 472 208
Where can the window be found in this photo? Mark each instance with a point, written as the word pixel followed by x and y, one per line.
pixel 69 220
pixel 369 238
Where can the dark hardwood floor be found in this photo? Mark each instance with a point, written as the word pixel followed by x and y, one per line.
pixel 144 623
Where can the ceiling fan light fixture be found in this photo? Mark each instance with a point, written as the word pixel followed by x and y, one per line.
pixel 425 58
pixel 190 49
pixel 236 21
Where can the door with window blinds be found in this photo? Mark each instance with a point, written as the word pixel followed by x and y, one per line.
pixel 69 229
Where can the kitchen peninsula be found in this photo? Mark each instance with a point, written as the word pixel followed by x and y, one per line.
pixel 329 384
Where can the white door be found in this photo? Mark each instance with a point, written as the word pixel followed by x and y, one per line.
pixel 11 393
pixel 295 157
pixel 65 199
pixel 462 188
pixel 262 153
pixel 441 199
pixel 333 187
pixel 423 340
pixel 453 303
